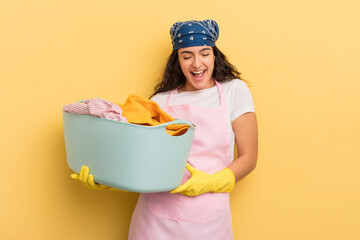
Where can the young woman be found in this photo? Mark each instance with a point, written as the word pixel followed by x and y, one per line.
pixel 200 86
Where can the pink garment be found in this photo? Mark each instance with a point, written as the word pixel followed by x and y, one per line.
pixel 97 107
pixel 207 216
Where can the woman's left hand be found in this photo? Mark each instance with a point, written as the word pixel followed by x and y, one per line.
pixel 201 182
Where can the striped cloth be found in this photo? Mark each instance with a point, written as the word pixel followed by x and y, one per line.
pixel 97 107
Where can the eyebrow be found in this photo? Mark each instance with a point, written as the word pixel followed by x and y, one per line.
pixel 204 49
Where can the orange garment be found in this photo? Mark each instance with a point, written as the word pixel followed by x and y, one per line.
pixel 143 111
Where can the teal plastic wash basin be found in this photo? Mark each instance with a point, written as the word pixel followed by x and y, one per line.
pixel 127 156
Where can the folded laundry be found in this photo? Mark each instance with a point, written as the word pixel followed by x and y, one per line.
pixel 97 107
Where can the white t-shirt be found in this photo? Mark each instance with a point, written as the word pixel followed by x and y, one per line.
pixel 238 101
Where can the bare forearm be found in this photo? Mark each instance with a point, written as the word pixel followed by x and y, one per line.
pixel 246 137
pixel 242 166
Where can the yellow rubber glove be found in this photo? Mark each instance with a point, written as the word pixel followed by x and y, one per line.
pixel 87 179
pixel 200 182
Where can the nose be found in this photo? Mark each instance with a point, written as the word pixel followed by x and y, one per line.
pixel 196 63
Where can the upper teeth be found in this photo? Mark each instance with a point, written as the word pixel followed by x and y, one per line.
pixel 198 72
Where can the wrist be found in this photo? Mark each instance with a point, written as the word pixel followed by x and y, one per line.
pixel 224 181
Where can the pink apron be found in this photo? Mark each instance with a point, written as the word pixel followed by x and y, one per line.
pixel 163 216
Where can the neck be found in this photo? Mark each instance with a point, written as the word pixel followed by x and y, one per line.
pixel 186 87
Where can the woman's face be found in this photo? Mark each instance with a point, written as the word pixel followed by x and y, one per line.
pixel 197 64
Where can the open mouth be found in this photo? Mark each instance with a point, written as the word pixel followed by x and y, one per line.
pixel 199 74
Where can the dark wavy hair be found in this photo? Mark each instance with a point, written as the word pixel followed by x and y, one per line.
pixel 173 76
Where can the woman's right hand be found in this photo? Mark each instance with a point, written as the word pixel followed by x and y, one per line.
pixel 88 180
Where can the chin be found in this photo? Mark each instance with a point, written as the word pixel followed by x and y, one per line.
pixel 193 84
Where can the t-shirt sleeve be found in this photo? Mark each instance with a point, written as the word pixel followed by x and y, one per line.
pixel 242 101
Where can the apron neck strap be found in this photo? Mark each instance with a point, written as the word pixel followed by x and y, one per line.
pixel 168 99
pixel 221 94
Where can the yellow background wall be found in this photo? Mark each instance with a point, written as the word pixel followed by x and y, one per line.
pixel 301 57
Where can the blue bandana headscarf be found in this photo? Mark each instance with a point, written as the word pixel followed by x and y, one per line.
pixel 194 33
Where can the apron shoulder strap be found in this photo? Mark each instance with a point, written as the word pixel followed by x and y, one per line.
pixel 168 99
